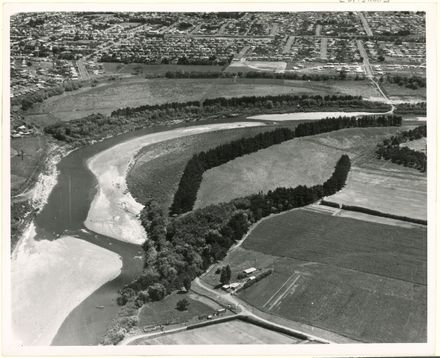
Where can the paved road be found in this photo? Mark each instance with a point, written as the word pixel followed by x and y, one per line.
pixel 370 75
pixel 367 66
pixel 274 30
pixel 242 52
pixel 83 73
pixel 323 48
pixel 288 44
pixel 245 309
pixel 365 24
pixel 318 30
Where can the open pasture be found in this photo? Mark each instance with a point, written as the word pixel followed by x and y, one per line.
pixel 157 169
pixel 305 161
pixel 151 70
pixel 396 92
pixel 135 91
pixel 359 279
pixel 386 187
pixel 358 305
pixel 374 248
pixel 165 312
pixel 232 332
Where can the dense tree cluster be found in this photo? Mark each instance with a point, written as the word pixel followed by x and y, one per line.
pixel 191 179
pixel 261 74
pixel 97 126
pixel 390 149
pixel 411 108
pixel 192 175
pixel 28 100
pixel 183 247
pixel 300 102
pixel 413 82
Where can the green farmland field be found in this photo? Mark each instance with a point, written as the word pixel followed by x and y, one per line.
pixel 158 167
pixel 136 91
pixel 372 183
pixel 384 250
pixel 359 279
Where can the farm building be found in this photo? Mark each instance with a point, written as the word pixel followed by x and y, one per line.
pixel 249 270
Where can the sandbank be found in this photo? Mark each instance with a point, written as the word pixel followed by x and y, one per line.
pixel 49 279
pixel 114 212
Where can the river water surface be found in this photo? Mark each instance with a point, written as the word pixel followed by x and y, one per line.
pixel 64 214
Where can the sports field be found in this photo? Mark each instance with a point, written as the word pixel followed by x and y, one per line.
pixel 232 332
pixel 307 160
pixel 363 280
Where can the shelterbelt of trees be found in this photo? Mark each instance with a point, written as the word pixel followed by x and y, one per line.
pixel 411 108
pixel 412 82
pixel 342 75
pixel 191 179
pixel 390 149
pixel 181 248
pixel 97 126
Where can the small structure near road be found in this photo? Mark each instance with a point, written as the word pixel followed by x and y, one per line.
pixel 249 270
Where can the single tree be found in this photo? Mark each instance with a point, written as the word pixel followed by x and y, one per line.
pixel 182 305
pixel 187 283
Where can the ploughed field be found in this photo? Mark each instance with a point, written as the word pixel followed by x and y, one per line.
pixel 136 91
pixel 363 280
pixel 231 332
pixel 372 183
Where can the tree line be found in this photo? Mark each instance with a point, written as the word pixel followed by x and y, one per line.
pixel 181 248
pixel 368 211
pixel 261 74
pixel 390 149
pixel 192 176
pixel 411 108
pixel 26 101
pixel 412 82
pixel 97 126
pixel 300 101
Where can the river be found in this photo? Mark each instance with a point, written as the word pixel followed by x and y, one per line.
pixel 64 215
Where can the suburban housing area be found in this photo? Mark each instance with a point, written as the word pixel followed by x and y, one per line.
pixel 218 178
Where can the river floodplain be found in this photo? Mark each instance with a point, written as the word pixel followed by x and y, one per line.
pixel 50 278
pixel 114 211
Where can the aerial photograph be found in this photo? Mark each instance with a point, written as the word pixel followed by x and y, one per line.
pixel 229 178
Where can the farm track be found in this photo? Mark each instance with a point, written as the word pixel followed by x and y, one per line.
pixel 284 290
